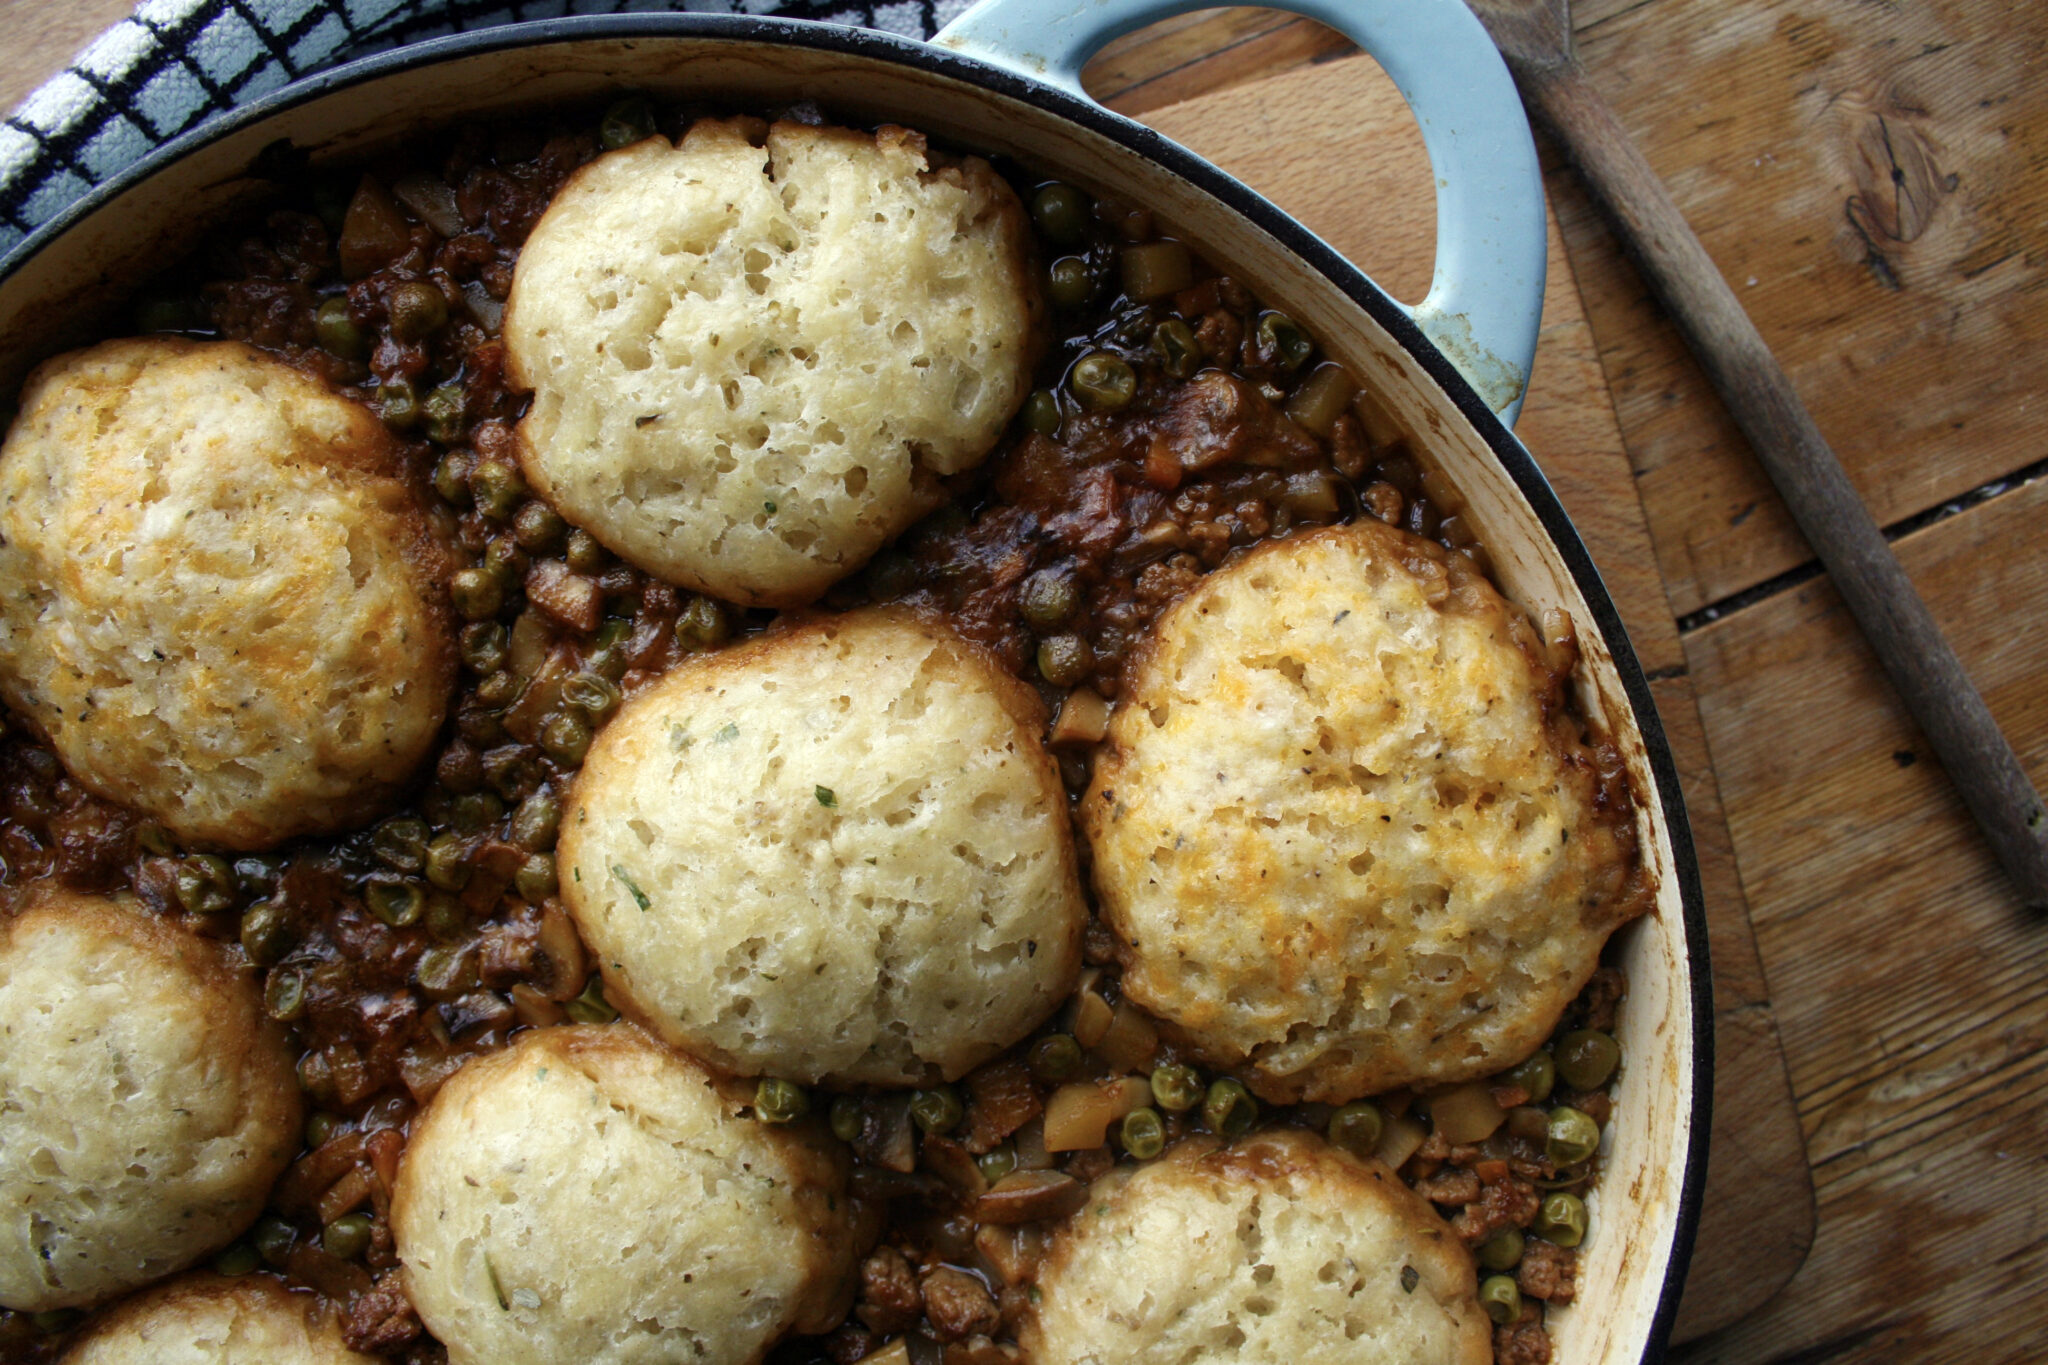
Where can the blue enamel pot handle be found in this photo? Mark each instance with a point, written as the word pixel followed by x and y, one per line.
pixel 1485 298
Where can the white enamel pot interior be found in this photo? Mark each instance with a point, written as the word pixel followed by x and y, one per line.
pixel 58 289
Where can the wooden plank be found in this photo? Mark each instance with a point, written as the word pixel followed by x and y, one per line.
pixel 1203 53
pixel 1295 138
pixel 1908 986
pixel 1870 181
pixel 42 36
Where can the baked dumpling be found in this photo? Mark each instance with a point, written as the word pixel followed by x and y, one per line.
pixel 204 1319
pixel 752 360
pixel 217 597
pixel 837 853
pixel 1336 829
pixel 1276 1250
pixel 588 1195
pixel 149 1100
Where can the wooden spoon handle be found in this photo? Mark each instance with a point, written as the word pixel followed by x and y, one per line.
pixel 1757 393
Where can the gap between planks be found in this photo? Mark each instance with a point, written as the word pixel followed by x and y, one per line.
pixel 1807 571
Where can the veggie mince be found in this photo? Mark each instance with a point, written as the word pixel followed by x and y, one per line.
pixel 1176 421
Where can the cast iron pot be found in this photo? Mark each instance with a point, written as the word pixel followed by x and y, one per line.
pixel 1004 78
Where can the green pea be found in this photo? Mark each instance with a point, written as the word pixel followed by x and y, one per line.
pixel 445 918
pixel 445 971
pixel 703 624
pixel 592 693
pixel 284 994
pixel 591 1007
pixel 1042 413
pixel 505 561
pixel 535 822
pixel 347 1237
pixel 938 1110
pixel 484 646
pixel 1572 1137
pixel 417 310
pixel 997 1162
pixel 536 879
pixel 1180 355
pixel 238 1260
pixel 512 772
pixel 257 875
pixel 337 331
pixel 584 553
pixel 1102 382
pixel 154 838
pixel 629 121
pixel 779 1101
pixel 398 904
pixel 1537 1076
pixel 1357 1127
pixel 847 1118
pixel 500 688
pixel 273 1237
pixel 204 884
pixel 475 812
pixel 321 1126
pixel 1502 1251
pixel 1143 1133
pixel 1281 338
pixel 1070 283
pixel 1061 213
pixel 451 477
pixel 1230 1110
pixel 445 411
pixel 1065 660
pixel 1054 1058
pixel 398 403
pixel 1048 599
pixel 266 932
pixel 607 657
pixel 1586 1058
pixel 538 527
pixel 1501 1297
pixel 1177 1088
pixel 565 736
pixel 448 862
pixel 477 593
pixel 1562 1220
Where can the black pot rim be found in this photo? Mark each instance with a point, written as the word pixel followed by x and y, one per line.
pixel 1515 458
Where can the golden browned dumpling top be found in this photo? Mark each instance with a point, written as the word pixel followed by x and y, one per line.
pixel 147 1102
pixel 751 361
pixel 216 597
pixel 1335 827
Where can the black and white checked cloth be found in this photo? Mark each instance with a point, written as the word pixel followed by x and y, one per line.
pixel 176 63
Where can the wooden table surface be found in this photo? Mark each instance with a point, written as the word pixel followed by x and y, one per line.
pixel 1873 179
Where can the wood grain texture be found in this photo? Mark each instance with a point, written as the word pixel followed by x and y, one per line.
pixel 42 36
pixel 1908 986
pixel 1810 480
pixel 1296 138
pixel 1869 179
pixel 1202 53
